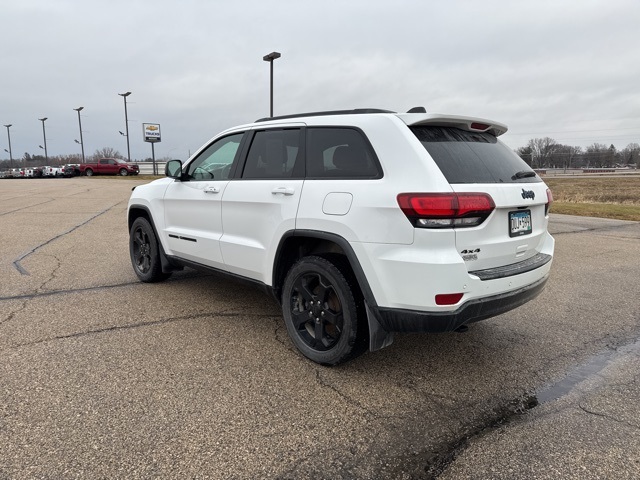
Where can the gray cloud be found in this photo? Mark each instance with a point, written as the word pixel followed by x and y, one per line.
pixel 568 69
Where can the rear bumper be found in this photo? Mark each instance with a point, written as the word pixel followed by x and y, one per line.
pixel 401 320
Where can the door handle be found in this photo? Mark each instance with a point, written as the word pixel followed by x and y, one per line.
pixel 212 190
pixel 283 191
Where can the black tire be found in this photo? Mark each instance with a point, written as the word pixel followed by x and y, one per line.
pixel 123 172
pixel 88 172
pixel 145 253
pixel 322 306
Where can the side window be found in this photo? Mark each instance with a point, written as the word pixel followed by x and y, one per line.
pixel 273 154
pixel 340 153
pixel 215 162
pixel 104 162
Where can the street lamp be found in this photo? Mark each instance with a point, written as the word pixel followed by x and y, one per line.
pixel 270 58
pixel 44 135
pixel 126 123
pixel 81 142
pixel 10 155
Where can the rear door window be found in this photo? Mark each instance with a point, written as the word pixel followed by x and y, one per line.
pixel 274 154
pixel 334 152
pixel 473 157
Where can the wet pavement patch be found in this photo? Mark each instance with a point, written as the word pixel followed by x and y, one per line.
pixel 593 366
pixel 439 460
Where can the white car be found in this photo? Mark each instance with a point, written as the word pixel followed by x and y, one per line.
pixel 361 223
pixel 52 171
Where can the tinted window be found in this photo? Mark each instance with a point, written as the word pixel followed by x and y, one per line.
pixel 470 157
pixel 215 162
pixel 273 154
pixel 339 153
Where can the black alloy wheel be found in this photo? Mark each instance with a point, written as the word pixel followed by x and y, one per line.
pixel 144 252
pixel 320 307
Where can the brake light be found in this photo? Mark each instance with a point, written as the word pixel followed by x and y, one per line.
pixel 446 210
pixel 549 202
pixel 479 126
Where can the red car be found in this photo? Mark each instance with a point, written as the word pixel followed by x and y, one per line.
pixel 109 166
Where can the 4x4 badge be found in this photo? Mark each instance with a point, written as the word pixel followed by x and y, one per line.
pixel 528 194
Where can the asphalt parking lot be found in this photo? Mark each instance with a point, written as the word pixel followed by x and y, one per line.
pixel 102 376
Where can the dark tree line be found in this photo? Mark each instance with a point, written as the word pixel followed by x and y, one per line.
pixel 538 153
pixel 547 153
pixel 31 161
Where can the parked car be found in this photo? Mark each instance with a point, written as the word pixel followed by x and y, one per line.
pixel 360 223
pixel 71 170
pixel 109 166
pixel 49 171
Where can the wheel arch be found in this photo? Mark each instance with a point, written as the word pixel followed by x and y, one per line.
pixel 138 211
pixel 296 244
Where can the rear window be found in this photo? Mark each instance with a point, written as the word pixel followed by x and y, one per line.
pixel 472 157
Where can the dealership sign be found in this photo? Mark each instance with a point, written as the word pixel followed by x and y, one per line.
pixel 151 132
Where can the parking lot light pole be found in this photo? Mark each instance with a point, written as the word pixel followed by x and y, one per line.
pixel 126 123
pixel 81 142
pixel 44 135
pixel 270 58
pixel 10 155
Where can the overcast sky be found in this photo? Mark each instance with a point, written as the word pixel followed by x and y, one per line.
pixel 569 70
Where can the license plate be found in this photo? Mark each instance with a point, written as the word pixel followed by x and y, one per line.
pixel 519 223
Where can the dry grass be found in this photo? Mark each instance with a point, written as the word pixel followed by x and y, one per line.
pixel 606 197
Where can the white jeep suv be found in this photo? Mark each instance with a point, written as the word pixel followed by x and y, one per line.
pixel 361 223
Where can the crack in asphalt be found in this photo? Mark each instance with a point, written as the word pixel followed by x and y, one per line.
pixel 14 313
pixel 24 208
pixel 351 401
pixel 608 417
pixel 132 326
pixel 23 271
pixel 443 457
pixel 53 274
pixel 39 294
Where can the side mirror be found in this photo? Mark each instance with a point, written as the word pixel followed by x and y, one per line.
pixel 173 169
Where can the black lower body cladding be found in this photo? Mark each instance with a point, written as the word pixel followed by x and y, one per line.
pixel 399 320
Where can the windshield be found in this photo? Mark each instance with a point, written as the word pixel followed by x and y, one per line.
pixel 473 157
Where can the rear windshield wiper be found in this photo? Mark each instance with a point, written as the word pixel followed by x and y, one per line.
pixel 523 174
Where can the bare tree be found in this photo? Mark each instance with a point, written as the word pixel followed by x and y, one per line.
pixel 630 154
pixel 541 151
pixel 565 155
pixel 597 154
pixel 107 152
pixel 525 154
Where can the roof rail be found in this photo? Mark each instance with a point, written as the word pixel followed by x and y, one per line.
pixel 355 111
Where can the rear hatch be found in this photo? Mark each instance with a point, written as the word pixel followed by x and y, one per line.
pixel 473 160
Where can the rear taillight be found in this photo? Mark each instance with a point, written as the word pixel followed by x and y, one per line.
pixel 549 202
pixel 446 210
